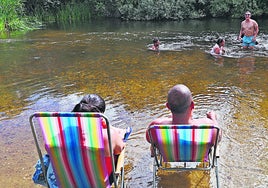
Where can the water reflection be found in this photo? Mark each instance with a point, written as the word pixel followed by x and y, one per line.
pixel 50 70
pixel 246 64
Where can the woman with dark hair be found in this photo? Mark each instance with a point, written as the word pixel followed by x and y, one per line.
pixel 218 48
pixel 156 43
pixel 95 103
pixel 90 103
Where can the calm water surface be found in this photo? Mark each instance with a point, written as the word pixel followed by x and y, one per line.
pixel 51 69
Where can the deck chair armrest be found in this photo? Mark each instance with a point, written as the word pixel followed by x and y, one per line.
pixel 120 162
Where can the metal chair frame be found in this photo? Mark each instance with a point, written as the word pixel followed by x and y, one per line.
pixel 213 154
pixel 118 171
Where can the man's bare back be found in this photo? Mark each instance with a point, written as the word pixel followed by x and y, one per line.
pixel 181 105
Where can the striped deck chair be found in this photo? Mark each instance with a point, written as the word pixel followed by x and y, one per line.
pixel 182 146
pixel 74 142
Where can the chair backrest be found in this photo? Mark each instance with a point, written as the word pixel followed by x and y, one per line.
pixel 183 143
pixel 74 142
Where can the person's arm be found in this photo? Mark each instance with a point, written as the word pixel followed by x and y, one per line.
pixel 240 32
pixel 147 134
pixel 217 50
pixel 158 121
pixel 222 50
pixel 256 30
pixel 117 143
pixel 212 115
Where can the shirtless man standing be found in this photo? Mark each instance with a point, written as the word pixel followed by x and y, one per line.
pixel 248 32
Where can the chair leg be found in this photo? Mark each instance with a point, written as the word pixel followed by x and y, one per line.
pixel 154 174
pixel 216 172
pixel 122 177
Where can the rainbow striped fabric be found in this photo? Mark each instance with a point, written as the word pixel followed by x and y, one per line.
pixel 74 142
pixel 183 143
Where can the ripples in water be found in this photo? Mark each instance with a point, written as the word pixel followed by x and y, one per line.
pixel 233 46
pixel 52 70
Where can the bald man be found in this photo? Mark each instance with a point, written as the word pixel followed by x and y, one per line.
pixel 181 105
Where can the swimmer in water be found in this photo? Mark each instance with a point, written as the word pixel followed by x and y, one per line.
pixel 156 43
pixel 218 48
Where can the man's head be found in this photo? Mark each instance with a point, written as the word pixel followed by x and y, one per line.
pixel 247 15
pixel 179 99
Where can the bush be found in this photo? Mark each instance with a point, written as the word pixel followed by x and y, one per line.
pixel 13 12
pixel 10 13
pixel 188 9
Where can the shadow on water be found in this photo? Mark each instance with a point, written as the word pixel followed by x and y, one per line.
pixel 51 69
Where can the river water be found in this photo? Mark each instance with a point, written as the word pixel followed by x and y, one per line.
pixel 51 69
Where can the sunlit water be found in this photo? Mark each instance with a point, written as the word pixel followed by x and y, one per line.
pixel 51 69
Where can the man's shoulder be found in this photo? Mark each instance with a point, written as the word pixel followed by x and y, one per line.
pixel 249 21
pixel 254 22
pixel 201 121
pixel 161 121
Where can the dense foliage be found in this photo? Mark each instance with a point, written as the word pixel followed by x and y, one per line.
pixel 14 12
pixel 10 13
pixel 13 18
pixel 185 9
pixel 144 9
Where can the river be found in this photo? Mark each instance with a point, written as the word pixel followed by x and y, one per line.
pixel 52 68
